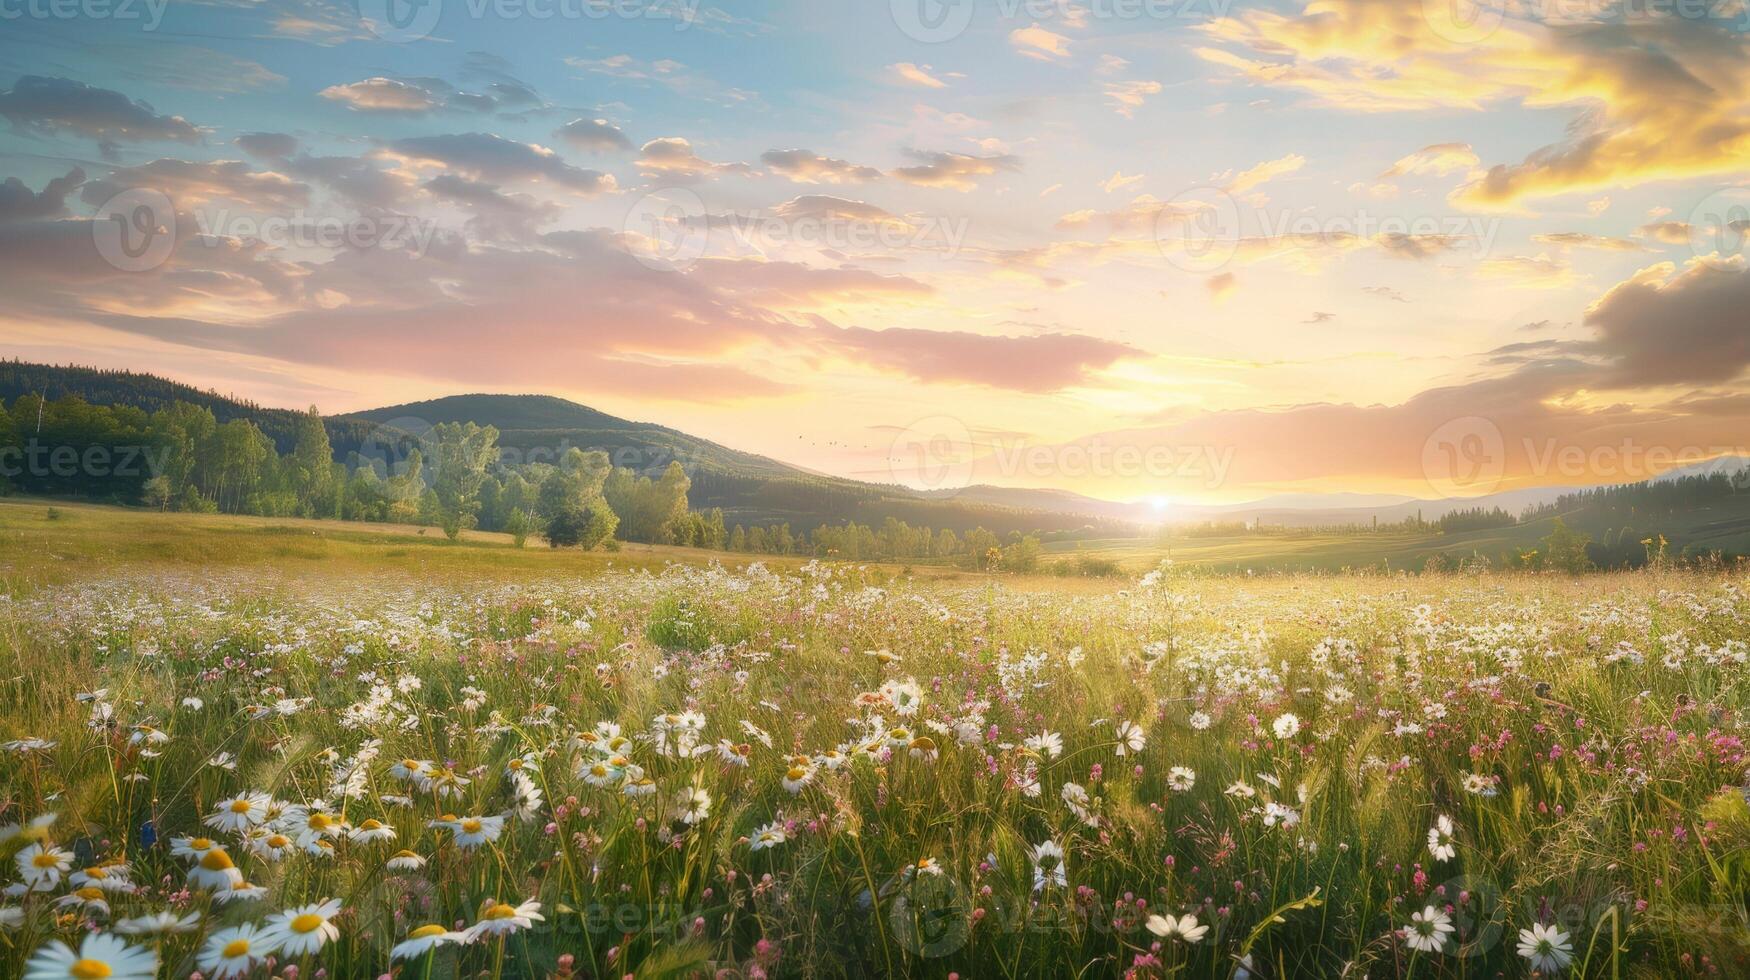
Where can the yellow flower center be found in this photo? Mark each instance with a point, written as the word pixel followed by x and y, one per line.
pixel 319 821
pixel 405 854
pixel 199 844
pixel 90 893
pixel 426 931
pixel 278 840
pixel 410 765
pixel 501 912
pixel 516 764
pixel 796 773
pixel 89 970
pixel 97 873
pixel 308 922
pixel 370 825
pixel 235 948
pixel 216 860
pixel 472 826
pixel 46 859
pixel 240 806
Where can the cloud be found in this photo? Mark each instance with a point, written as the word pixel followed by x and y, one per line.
pixel 1037 42
pixel 672 157
pixel 1654 98
pixel 1385 292
pixel 161 63
pixel 905 71
pixel 1669 232
pixel 1127 97
pixel 807 167
pixel 358 181
pixel 793 284
pixel 1268 170
pixel 497 215
pixel 1142 216
pixel 1577 239
pixel 593 136
pixel 19 203
pixel 514 94
pixel 189 183
pixel 386 95
pixel 494 159
pixel 670 74
pixel 1665 326
pixel 1035 363
pixel 46 106
pixel 825 207
pixel 1119 181
pixel 1533 272
pixel 954 171
pixel 273 146
pixel 1438 160
pixel 1403 245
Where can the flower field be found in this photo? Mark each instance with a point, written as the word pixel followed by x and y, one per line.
pixel 828 770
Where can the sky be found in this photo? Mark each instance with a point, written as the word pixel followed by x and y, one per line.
pixel 1181 250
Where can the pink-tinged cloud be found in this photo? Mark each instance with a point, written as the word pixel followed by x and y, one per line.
pixel 1037 363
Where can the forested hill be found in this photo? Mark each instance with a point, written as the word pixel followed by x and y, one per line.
pixel 543 424
pixel 750 489
pixel 149 392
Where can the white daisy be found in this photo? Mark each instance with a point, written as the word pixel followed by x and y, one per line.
pixel 303 930
pixel 502 919
pixel 42 865
pixel 1547 948
pixel 423 940
pixel 239 813
pixel 1184 927
pixel 1441 842
pixel 234 952
pixel 99 955
pixel 771 835
pixel 1428 930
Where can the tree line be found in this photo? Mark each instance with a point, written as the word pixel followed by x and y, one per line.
pixel 181 457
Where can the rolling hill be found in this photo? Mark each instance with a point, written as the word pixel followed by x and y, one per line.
pixel 751 489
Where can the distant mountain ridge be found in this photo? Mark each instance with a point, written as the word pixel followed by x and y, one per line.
pixel 756 489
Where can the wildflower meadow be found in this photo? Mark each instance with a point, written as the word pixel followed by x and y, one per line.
pixel 829 770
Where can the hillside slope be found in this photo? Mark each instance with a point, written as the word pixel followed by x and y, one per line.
pixel 751 489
